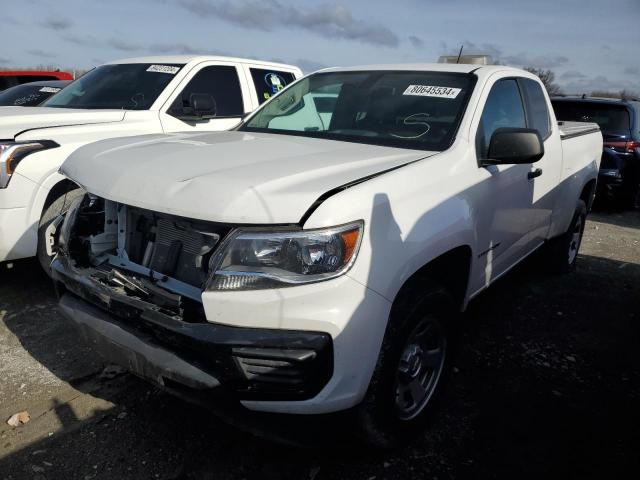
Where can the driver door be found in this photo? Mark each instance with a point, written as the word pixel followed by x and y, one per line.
pixel 222 83
pixel 505 215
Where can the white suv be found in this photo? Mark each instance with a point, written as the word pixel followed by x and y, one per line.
pixel 125 97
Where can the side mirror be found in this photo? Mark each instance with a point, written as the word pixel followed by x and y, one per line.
pixel 203 105
pixel 514 146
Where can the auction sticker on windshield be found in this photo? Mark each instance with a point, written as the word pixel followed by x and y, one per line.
pixel 432 91
pixel 50 89
pixel 163 69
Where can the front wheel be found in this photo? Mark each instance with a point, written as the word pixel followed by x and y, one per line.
pixel 412 366
pixel 562 251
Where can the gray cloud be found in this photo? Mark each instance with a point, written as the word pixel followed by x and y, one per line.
pixel 599 82
pixel 4 61
pixel 123 45
pixel 632 70
pixel 326 20
pixel 55 23
pixel 572 75
pixel 36 52
pixel 81 40
pixel 308 66
pixel 130 47
pixel 539 61
pixel 416 41
pixel 182 49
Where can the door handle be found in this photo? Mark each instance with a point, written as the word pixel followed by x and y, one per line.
pixel 535 173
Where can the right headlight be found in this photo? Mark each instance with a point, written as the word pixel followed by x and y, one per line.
pixel 252 259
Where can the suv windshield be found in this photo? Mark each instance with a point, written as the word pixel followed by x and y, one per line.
pixel 418 110
pixel 611 118
pixel 128 86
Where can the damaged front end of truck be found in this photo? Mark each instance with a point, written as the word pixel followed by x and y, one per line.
pixel 132 281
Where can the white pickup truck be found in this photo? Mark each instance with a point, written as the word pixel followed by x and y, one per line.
pixel 313 260
pixel 121 98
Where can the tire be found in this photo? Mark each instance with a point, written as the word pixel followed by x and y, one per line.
pixel 389 415
pixel 562 251
pixel 49 214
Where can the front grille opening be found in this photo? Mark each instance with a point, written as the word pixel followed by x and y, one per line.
pixel 159 258
pixel 172 246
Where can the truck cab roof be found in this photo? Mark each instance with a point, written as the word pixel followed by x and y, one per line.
pixel 431 67
pixel 195 59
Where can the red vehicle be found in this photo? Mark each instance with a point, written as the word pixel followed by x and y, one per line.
pixel 11 78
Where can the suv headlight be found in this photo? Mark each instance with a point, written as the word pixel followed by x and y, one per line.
pixel 251 259
pixel 11 153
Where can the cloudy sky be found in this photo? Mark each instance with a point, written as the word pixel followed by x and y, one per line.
pixel 588 43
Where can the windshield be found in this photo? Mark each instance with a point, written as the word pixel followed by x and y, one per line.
pixel 26 95
pixel 610 118
pixel 418 110
pixel 129 86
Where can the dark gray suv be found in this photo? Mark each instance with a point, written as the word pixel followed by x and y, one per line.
pixel 619 120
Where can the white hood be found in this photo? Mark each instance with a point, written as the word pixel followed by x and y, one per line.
pixel 15 120
pixel 235 177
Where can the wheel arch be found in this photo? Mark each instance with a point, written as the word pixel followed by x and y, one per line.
pixel 63 186
pixel 450 269
pixel 588 193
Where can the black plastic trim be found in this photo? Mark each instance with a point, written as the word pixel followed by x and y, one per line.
pixel 579 134
pixel 214 348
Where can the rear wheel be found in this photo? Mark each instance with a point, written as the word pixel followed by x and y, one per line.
pixel 59 206
pixel 562 252
pixel 411 368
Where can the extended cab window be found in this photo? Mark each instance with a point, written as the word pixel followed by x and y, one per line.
pixel 537 107
pixel 406 109
pixel 503 109
pixel 269 82
pixel 221 83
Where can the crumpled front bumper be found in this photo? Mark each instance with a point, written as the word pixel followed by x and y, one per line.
pixel 244 363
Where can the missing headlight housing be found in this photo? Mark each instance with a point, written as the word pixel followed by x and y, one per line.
pixel 253 259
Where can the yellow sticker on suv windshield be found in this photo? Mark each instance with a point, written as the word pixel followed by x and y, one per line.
pixel 432 91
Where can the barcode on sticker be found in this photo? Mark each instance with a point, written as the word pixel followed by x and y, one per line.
pixel 163 69
pixel 432 91
pixel 50 89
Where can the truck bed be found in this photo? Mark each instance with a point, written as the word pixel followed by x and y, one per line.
pixel 576 129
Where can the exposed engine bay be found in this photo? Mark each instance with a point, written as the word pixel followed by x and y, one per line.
pixel 158 258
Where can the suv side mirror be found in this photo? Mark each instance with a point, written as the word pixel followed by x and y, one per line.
pixel 514 146
pixel 203 105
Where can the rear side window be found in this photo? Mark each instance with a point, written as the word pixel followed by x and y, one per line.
pixel 611 118
pixel 503 109
pixel 537 112
pixel 219 81
pixel 270 82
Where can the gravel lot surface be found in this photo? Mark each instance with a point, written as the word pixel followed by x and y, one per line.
pixel 546 384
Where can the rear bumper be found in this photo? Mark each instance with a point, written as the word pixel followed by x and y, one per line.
pixel 242 363
pixel 609 184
